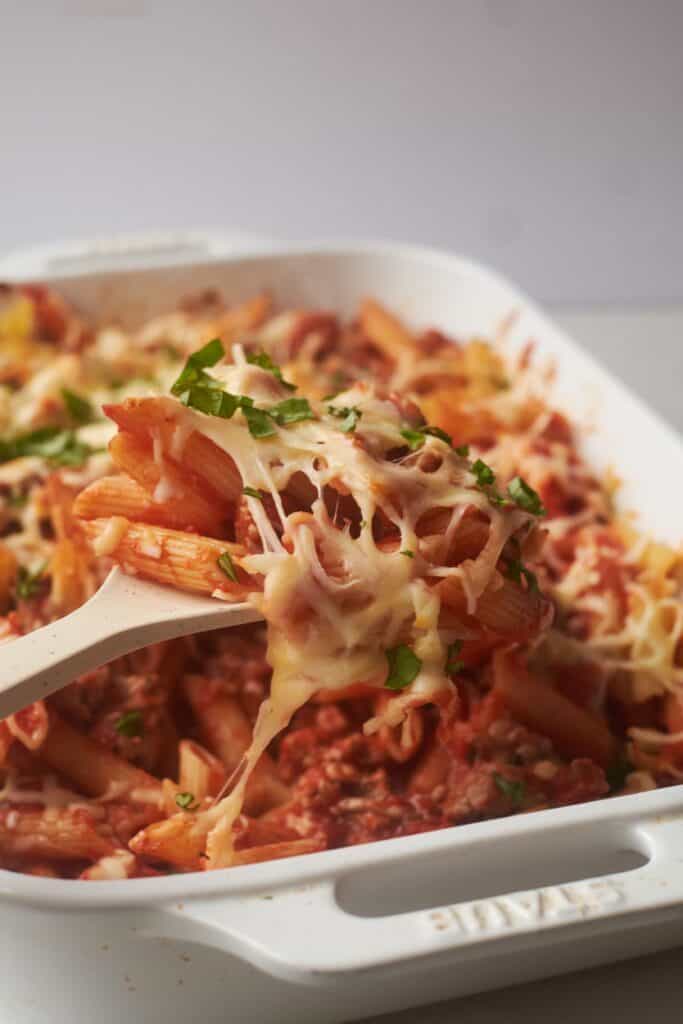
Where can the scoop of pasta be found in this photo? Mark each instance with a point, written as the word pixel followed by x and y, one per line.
pixel 378 553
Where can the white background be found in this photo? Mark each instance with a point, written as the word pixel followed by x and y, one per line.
pixel 542 136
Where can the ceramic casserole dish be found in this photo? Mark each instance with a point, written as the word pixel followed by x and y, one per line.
pixel 338 935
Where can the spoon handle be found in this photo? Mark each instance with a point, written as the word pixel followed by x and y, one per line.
pixel 123 616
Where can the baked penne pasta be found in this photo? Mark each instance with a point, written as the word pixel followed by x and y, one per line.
pixel 173 557
pixel 457 625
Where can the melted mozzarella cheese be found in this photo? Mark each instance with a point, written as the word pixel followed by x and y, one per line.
pixel 335 603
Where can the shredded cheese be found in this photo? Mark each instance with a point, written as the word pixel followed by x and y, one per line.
pixel 335 600
pixel 114 532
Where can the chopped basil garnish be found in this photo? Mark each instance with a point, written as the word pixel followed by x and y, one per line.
pixel 462 450
pixel 515 570
pixel 263 360
pixel 186 801
pixel 438 432
pixel 60 447
pixel 29 583
pixel 225 564
pixel 349 415
pixel 130 724
pixel 525 496
pixel 252 492
pixel 416 438
pixel 512 789
pixel 484 474
pixel 78 408
pixel 407 552
pixel 193 371
pixel 404 666
pixel 259 421
pixel 291 410
pixel 198 390
pixel 453 663
pixel 211 400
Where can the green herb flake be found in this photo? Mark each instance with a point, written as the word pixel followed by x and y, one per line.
pixel 415 438
pixel 291 410
pixel 438 432
pixel 57 446
pixel 463 450
pixel 525 497
pixel 259 421
pixel 252 492
pixel 349 414
pixel 79 409
pixel 514 790
pixel 29 583
pixel 454 664
pixel 130 724
pixel 263 360
pixel 225 564
pixel 211 401
pixel 186 801
pixel 193 371
pixel 404 666
pixel 407 552
pixel 484 474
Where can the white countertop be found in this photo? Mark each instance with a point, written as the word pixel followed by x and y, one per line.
pixel 644 347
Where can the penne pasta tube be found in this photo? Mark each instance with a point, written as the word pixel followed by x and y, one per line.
pixel 199 771
pixel 8 573
pixel 178 840
pixel 276 851
pixel 227 731
pixel 122 496
pixel 574 731
pixel 172 557
pixel 71 583
pixel 157 417
pixel 168 484
pixel 246 316
pixel 505 607
pixel 385 330
pixel 59 499
pixel 55 834
pixel 91 767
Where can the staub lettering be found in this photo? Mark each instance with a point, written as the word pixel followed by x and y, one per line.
pixel 522 910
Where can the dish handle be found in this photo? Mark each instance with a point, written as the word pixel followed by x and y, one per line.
pixel 303 933
pixel 113 252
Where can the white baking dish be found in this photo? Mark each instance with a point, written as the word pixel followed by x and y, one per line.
pixel 338 935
